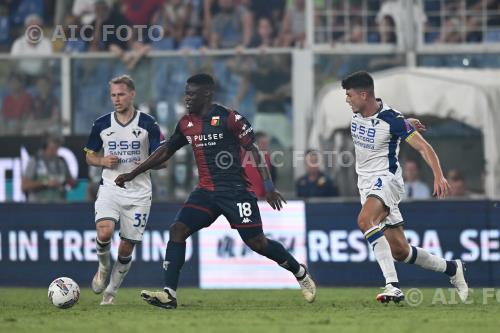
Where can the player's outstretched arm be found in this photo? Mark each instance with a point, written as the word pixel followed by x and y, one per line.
pixel 159 167
pixel 159 156
pixel 273 196
pixel 441 186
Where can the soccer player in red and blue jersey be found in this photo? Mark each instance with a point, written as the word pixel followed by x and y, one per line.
pixel 218 136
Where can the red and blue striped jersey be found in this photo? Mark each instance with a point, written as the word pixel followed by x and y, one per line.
pixel 217 139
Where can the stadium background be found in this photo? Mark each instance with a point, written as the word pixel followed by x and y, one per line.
pixel 297 71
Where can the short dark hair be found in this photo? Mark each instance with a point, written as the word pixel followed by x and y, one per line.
pixel 359 80
pixel 201 79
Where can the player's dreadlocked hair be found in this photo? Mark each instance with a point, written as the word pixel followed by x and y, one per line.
pixel 202 79
pixel 360 81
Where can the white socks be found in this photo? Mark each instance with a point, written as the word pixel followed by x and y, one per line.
pixel 120 270
pixel 171 291
pixel 103 255
pixel 383 253
pixel 300 273
pixel 424 259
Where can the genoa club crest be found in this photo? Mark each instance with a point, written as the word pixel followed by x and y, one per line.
pixel 215 121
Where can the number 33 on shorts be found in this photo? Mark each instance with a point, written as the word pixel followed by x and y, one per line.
pixel 140 220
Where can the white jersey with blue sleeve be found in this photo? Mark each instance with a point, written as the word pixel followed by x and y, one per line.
pixel 376 143
pixel 132 142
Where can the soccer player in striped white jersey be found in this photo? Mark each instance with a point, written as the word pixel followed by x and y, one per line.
pixel 126 137
pixel 377 131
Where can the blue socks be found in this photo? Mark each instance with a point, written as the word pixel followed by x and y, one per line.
pixel 175 256
pixel 277 252
pixel 451 268
pixel 176 252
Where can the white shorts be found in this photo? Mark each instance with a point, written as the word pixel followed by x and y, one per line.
pixel 132 214
pixel 389 189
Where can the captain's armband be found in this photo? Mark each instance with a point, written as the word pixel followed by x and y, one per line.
pixel 409 137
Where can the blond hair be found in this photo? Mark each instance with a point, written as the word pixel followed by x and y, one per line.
pixel 123 79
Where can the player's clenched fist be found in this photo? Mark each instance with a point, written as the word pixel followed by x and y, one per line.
pixel 123 178
pixel 110 161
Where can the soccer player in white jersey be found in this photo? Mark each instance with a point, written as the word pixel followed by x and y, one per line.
pixel 377 131
pixel 126 137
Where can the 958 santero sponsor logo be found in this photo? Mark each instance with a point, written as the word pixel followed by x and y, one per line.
pixel 363 133
pixel 128 151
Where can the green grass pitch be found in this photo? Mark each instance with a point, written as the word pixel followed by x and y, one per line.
pixel 200 311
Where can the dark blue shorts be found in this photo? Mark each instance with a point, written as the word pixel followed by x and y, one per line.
pixel 239 207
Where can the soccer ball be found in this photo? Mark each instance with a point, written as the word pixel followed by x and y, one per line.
pixel 64 292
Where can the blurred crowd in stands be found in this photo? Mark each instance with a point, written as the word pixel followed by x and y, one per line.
pixel 185 24
pixel 385 21
pixel 259 86
pixel 223 24
pixel 78 26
